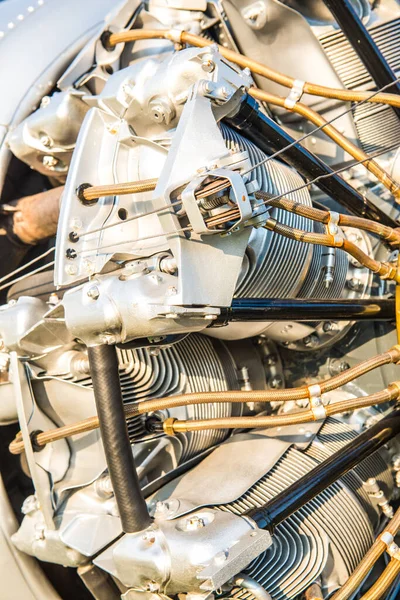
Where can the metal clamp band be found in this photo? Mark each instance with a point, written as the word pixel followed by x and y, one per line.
pixel 295 94
pixel 387 538
pixel 316 406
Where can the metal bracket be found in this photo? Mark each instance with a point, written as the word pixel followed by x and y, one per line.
pixel 238 189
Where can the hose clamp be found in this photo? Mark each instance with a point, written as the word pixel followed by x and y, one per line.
pixel 316 406
pixel 394 551
pixel 387 538
pixel 175 35
pixel 391 547
pixel 334 229
pixel 295 94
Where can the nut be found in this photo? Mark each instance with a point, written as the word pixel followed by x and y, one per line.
pixel 93 292
pixel 161 110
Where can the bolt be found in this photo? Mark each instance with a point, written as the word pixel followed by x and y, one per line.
pixel 396 462
pixel 162 110
pixel 161 509
pixel 46 141
pixel 45 101
pixel 275 382
pixel 328 326
pixel 270 360
pixel 354 284
pixel 104 487
pixel 53 298
pixel 149 537
pixel 29 505
pixel 224 92
pixel 152 586
pixel 93 292
pixel 194 523
pixel 311 340
pixel 343 366
pixel 71 270
pixel 76 223
pixel 71 253
pixel 50 162
pixel 208 65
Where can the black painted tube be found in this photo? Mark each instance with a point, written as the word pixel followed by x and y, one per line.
pixel 299 309
pixel 121 466
pixel 364 45
pixel 326 473
pixel 270 137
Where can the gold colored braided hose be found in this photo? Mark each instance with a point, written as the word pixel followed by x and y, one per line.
pixel 255 67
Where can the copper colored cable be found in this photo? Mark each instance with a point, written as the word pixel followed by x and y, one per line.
pixel 323 216
pixel 382 585
pixel 331 131
pixel 146 406
pixel 131 187
pixel 384 269
pixel 172 426
pixel 363 568
pixel 256 67
pixel 94 192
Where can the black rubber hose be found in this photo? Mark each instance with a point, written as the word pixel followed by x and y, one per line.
pixel 270 138
pixel 121 466
pixel 326 473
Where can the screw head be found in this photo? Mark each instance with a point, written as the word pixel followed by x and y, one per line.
pixel 208 65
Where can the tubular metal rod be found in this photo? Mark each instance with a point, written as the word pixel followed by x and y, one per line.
pixel 270 137
pixel 326 473
pixel 363 44
pixel 299 309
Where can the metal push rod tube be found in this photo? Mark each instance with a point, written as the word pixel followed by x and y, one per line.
pixel 326 473
pixel 121 466
pixel 363 44
pixel 298 309
pixel 270 137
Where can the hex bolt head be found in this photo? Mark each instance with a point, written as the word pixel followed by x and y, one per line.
pixel 93 292
pixel 50 162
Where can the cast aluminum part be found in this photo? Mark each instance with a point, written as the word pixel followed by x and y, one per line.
pixel 46 139
pixel 197 553
pixel 152 303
